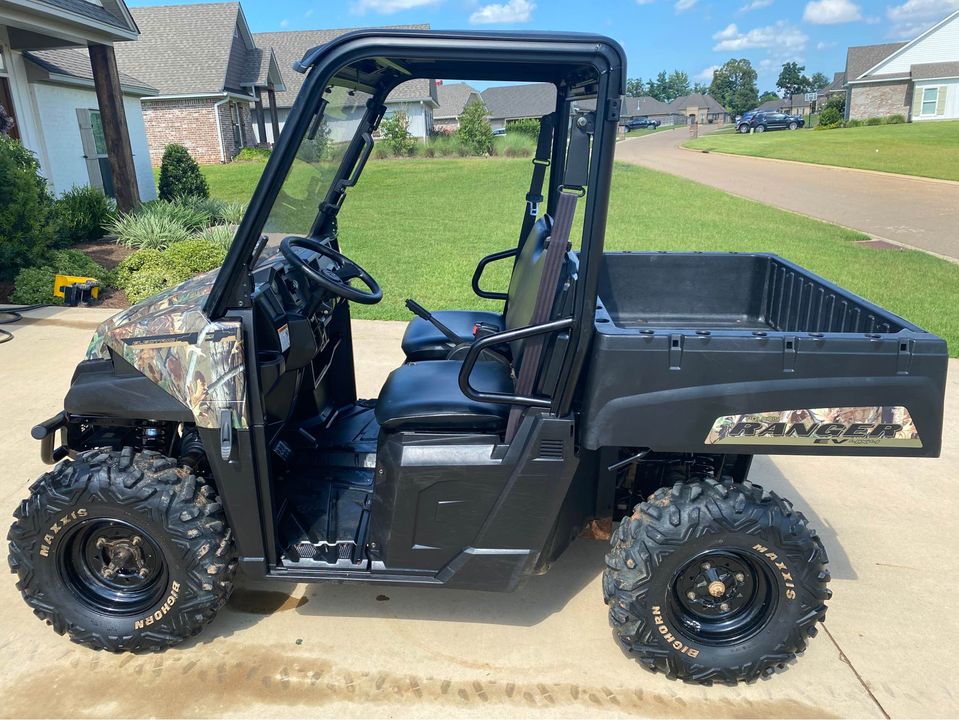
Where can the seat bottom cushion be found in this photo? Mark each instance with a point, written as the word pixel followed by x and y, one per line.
pixel 426 396
pixel 422 341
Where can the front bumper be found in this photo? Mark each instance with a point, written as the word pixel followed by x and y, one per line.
pixel 47 432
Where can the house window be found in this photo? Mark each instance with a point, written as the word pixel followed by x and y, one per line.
pixel 237 127
pixel 930 98
pixel 95 150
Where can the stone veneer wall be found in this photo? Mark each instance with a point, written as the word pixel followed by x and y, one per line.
pixel 879 100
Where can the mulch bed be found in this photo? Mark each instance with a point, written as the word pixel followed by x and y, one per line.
pixel 104 252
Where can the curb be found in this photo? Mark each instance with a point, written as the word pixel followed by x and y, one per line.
pixel 880 173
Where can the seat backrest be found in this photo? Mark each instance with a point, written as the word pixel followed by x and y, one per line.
pixel 527 271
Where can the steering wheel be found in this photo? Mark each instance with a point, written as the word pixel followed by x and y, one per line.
pixel 335 279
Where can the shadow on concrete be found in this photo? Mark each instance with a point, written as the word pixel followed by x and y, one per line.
pixel 765 472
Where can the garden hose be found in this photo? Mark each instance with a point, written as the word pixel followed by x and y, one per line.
pixel 16 315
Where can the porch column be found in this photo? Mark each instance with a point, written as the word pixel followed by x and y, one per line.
pixel 260 120
pixel 274 119
pixel 106 79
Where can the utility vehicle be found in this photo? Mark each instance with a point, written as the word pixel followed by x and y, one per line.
pixel 216 427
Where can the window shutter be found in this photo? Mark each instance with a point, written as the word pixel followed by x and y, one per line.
pixel 89 148
pixel 916 101
pixel 941 101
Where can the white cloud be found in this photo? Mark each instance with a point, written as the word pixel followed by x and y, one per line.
pixel 823 45
pixel 706 74
pixel 782 36
pixel 513 11
pixel 755 5
pixel 387 7
pixel 684 5
pixel 910 18
pixel 831 12
pixel 284 23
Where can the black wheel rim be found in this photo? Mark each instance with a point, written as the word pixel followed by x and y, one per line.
pixel 722 597
pixel 113 566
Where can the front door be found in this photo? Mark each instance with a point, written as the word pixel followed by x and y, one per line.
pixel 95 150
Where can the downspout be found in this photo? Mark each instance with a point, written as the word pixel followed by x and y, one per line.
pixel 219 129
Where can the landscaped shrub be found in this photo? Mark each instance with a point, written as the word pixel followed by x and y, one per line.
pixel 26 210
pixel 195 256
pixel 873 121
pixel 148 282
pixel 853 123
pixel 35 284
pixel 445 144
pixel 253 154
pixel 895 119
pixel 828 126
pixel 232 213
pixel 180 175
pixel 148 272
pixel 141 261
pixel 838 102
pixel 220 236
pixel 829 116
pixel 82 213
pixel 475 132
pixel 526 126
pixel 149 230
pixel 396 134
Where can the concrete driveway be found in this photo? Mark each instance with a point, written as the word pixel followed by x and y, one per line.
pixel 913 211
pixel 543 651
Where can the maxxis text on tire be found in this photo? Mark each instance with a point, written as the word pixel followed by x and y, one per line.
pixel 767 567
pixel 184 550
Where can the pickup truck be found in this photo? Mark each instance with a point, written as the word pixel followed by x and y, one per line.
pixel 215 429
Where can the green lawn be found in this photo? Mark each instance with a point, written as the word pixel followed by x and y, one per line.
pixel 419 226
pixel 930 149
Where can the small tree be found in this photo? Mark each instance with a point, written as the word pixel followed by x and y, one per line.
pixel 734 86
pixel 475 130
pixel 180 176
pixel 396 134
pixel 838 102
pixel 792 81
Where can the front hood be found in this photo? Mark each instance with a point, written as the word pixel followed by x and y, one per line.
pixel 170 340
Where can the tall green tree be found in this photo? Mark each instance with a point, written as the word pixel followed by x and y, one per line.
pixel 734 86
pixel 475 130
pixel 635 87
pixel 678 84
pixel 791 80
pixel 700 88
pixel 659 87
pixel 768 95
pixel 818 81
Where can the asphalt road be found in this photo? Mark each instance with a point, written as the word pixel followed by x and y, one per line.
pixel 913 211
pixel 544 651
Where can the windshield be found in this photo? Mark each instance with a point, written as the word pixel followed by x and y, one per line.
pixel 316 163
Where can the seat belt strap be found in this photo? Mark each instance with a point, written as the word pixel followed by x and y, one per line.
pixel 556 249
pixel 534 197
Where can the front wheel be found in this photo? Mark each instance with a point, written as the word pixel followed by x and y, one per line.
pixel 712 582
pixel 793 126
pixel 122 551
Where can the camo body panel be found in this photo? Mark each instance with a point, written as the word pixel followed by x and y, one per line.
pixel 169 339
pixel 890 425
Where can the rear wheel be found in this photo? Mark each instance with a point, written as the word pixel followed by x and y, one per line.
pixel 122 551
pixel 715 582
pixel 760 128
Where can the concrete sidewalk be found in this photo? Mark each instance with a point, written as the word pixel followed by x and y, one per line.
pixel 544 651
pixel 913 211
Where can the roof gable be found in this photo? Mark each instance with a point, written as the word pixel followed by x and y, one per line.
pixel 697 100
pixel 520 101
pixel 860 58
pixel 938 44
pixel 453 99
pixel 73 66
pixel 185 49
pixel 290 47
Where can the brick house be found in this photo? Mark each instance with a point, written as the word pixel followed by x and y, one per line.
pixel 209 74
pixel 452 99
pixel 917 79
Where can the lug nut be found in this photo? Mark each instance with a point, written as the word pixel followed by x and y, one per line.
pixel 706 566
pixel 739 577
pixel 724 607
pixel 691 595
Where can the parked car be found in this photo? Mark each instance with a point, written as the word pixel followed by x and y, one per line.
pixel 641 123
pixel 762 121
pixel 499 132
pixel 742 121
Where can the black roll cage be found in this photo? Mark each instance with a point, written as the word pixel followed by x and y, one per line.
pixel 580 65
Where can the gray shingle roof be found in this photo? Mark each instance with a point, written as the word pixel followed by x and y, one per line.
pixel 520 101
pixel 452 99
pixel 859 59
pixel 925 71
pixel 183 49
pixel 291 46
pixel 646 105
pixel 111 13
pixel 837 84
pixel 696 100
pixel 75 63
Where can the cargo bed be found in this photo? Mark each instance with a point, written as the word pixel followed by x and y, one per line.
pixel 749 353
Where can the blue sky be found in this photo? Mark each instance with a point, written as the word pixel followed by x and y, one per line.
pixel 690 35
